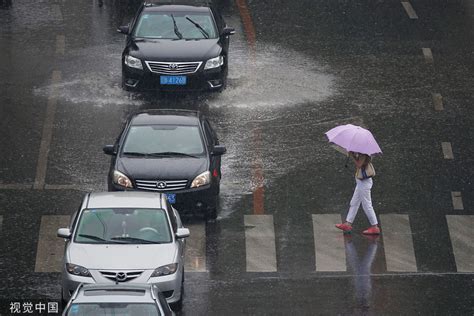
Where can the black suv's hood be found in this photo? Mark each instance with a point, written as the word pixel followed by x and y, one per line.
pixel 162 168
pixel 174 50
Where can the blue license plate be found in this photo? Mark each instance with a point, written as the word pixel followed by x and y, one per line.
pixel 173 80
pixel 171 197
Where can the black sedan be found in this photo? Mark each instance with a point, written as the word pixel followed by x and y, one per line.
pixel 175 47
pixel 171 151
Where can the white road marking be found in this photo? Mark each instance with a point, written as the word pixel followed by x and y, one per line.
pixel 60 44
pixel 409 10
pixel 447 150
pixel 195 257
pixel 462 239
pixel 15 186
pixel 47 133
pixel 438 101
pixel 50 250
pixel 64 187
pixel 329 247
pixel 260 243
pixel 457 201
pixel 428 55
pixel 398 243
pixel 57 12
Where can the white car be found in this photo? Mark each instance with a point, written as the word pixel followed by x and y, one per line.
pixel 125 237
pixel 117 299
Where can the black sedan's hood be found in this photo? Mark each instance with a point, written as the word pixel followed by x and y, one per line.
pixel 162 168
pixel 174 50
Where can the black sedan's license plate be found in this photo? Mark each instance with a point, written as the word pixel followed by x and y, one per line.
pixel 173 80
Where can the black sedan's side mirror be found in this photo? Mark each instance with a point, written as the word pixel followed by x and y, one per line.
pixel 218 150
pixel 124 29
pixel 109 150
pixel 226 31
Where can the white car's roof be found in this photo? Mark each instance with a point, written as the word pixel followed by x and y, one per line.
pixel 125 199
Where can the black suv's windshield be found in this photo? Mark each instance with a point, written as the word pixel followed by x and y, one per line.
pixel 176 25
pixel 163 140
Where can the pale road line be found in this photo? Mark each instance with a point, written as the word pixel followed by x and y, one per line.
pixel 195 255
pixel 462 239
pixel 60 44
pixel 438 102
pixel 1 223
pixel 260 243
pixel 57 12
pixel 447 150
pixel 47 133
pixel 428 55
pixel 398 243
pixel 15 186
pixel 457 201
pixel 50 249
pixel 409 10
pixel 329 249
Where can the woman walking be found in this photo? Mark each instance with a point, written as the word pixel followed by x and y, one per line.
pixel 364 173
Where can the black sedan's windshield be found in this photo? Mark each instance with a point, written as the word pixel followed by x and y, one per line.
pixel 163 140
pixel 175 25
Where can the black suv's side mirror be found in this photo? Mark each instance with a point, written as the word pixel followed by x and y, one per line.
pixel 218 150
pixel 124 29
pixel 109 150
pixel 226 31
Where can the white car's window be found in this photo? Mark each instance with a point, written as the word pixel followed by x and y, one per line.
pixel 123 225
pixel 190 26
pixel 113 309
pixel 156 139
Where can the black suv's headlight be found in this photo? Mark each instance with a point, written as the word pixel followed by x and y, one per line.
pixel 122 180
pixel 214 62
pixel 202 179
pixel 133 62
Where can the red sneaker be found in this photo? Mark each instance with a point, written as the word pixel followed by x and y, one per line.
pixel 344 227
pixel 372 230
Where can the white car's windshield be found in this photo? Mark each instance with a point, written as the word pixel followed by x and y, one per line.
pixel 113 309
pixel 123 225
pixel 175 25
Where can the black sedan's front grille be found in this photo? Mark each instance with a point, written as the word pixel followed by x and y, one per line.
pixel 161 185
pixel 170 68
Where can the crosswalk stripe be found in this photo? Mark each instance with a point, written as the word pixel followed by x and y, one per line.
pixel 195 256
pixel 456 196
pixel 409 10
pixel 462 240
pixel 50 249
pixel 328 243
pixel 1 223
pixel 398 243
pixel 260 243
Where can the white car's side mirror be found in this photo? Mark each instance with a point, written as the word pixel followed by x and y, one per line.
pixel 182 233
pixel 64 233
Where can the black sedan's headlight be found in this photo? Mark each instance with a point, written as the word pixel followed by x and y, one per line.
pixel 133 62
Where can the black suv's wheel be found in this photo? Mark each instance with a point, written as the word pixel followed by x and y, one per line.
pixel 211 212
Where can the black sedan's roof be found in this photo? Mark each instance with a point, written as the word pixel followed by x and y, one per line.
pixel 177 8
pixel 154 117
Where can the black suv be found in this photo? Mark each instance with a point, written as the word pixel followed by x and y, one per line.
pixel 171 151
pixel 175 47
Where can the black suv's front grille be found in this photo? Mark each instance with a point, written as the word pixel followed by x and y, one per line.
pixel 170 68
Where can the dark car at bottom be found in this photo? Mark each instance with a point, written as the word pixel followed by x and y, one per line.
pixel 176 152
pixel 176 47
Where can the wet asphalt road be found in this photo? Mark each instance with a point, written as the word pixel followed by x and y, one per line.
pixel 297 69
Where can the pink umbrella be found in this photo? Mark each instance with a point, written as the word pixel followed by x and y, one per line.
pixel 354 138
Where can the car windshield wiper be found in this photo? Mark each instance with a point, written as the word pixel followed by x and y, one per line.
pixel 176 31
pixel 97 238
pixel 203 31
pixel 132 239
pixel 134 153
pixel 172 153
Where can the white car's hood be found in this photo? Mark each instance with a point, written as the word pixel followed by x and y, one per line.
pixel 122 256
